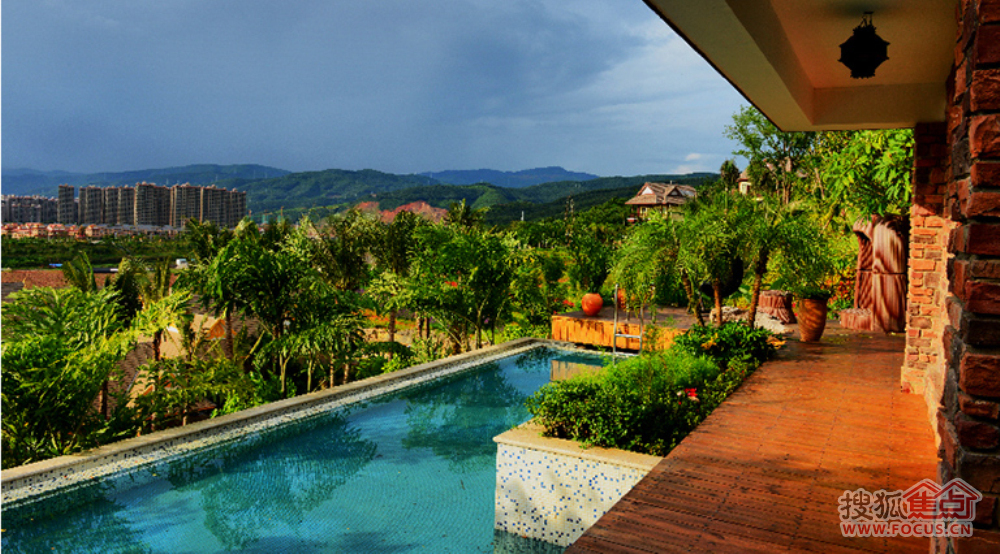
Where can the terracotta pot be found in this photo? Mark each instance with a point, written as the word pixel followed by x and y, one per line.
pixel 812 319
pixel 621 299
pixel 592 303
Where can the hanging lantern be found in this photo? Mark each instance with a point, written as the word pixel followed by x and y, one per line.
pixel 864 51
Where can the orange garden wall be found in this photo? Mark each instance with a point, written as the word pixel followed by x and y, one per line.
pixel 953 330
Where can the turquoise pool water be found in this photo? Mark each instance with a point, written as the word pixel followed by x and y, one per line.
pixel 412 471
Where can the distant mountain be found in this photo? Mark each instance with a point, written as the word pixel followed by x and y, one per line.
pixel 322 188
pixel 321 193
pixel 508 179
pixel 485 195
pixel 29 181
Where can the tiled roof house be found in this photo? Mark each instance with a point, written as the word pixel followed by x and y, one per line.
pixel 661 197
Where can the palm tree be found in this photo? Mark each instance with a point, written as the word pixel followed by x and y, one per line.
pixel 342 248
pixel 729 173
pixel 714 228
pixel 154 288
pixel 79 273
pixel 462 215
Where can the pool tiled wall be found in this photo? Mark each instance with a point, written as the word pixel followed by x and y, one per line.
pixel 33 481
pixel 553 490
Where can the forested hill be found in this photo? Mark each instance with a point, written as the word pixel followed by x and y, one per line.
pixel 486 195
pixel 46 183
pixel 508 179
pixel 321 188
pixel 323 192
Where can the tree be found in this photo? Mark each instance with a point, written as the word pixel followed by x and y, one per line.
pixel 126 283
pixel 783 229
pixel 868 171
pixel 462 215
pixel 152 289
pixel 60 347
pixel 461 277
pixel 712 232
pixel 392 245
pixel 656 246
pixel 79 273
pixel 729 174
pixel 591 261
pixel 783 162
pixel 341 248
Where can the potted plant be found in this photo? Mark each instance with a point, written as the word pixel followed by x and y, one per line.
pixel 806 275
pixel 813 309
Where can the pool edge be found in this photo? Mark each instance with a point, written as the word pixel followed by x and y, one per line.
pixel 22 483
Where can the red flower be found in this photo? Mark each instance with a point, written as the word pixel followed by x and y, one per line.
pixel 451 283
pixel 692 394
pixel 569 303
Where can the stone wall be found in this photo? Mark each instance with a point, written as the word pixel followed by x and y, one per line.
pixel 967 421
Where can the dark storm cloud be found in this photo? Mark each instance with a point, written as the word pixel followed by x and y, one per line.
pixel 400 86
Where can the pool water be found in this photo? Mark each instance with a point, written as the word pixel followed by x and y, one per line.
pixel 411 471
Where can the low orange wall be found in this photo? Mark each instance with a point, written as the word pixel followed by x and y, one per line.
pixel 599 332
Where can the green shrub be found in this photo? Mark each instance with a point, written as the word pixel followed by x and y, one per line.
pixel 731 341
pixel 644 404
pixel 513 331
pixel 649 403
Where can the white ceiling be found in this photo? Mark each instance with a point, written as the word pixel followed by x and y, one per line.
pixel 782 55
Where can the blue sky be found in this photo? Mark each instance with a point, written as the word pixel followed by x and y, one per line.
pixel 404 86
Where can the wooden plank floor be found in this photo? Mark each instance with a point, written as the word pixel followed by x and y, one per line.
pixel 764 471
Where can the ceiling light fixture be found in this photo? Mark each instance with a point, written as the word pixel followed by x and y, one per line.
pixel 864 51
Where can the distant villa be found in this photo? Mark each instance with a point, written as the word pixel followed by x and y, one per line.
pixel 659 197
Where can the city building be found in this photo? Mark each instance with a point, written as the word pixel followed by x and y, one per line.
pixel 111 205
pixel 152 205
pixel 145 204
pixel 28 209
pixel 91 205
pixel 126 206
pixel 67 209
pixel 213 205
pixel 185 204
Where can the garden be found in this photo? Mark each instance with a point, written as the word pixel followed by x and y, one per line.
pixel 299 304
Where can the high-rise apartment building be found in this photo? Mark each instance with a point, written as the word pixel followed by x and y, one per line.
pixel 91 205
pixel 126 206
pixel 28 209
pixel 111 205
pixel 66 210
pixel 185 204
pixel 152 205
pixel 144 204
pixel 236 207
pixel 213 205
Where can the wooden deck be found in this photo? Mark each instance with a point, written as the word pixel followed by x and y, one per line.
pixel 579 328
pixel 764 471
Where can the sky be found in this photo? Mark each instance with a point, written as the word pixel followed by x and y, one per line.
pixel 402 86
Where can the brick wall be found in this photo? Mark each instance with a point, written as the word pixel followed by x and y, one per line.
pixel 967 421
pixel 923 368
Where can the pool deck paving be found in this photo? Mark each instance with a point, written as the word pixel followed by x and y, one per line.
pixel 764 471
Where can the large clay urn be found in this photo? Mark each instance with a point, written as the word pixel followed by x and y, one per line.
pixel 812 318
pixel 592 303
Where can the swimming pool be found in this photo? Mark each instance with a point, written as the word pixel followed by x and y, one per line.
pixel 412 470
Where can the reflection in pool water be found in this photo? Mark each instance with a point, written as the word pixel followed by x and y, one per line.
pixel 412 471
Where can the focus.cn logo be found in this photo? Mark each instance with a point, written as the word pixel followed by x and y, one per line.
pixel 923 510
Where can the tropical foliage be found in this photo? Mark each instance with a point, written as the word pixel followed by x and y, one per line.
pixel 649 403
